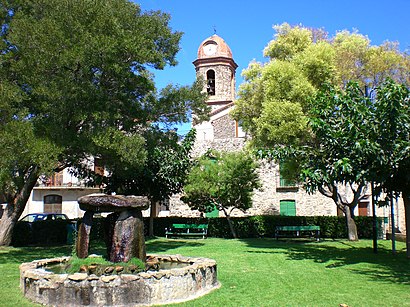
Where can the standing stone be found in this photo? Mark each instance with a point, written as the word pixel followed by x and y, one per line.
pixel 128 237
pixel 83 236
pixel 125 233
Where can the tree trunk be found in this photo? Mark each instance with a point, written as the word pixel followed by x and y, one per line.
pixel 7 223
pixel 374 220
pixel 231 227
pixel 393 225
pixel 153 213
pixel 16 207
pixel 347 208
pixel 406 199
pixel 351 225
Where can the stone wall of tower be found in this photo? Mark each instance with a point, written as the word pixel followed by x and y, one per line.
pixel 223 82
pixel 224 127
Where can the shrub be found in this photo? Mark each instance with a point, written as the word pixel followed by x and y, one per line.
pixel 264 225
pixel 40 233
pixel 55 232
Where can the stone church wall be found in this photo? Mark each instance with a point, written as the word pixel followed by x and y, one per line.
pixel 224 127
pixel 223 144
pixel 266 201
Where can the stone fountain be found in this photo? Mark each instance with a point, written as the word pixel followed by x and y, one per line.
pixel 125 236
pixel 191 277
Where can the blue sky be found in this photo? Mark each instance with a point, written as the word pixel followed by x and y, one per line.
pixel 246 26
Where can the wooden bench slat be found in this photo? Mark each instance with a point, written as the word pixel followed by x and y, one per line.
pixel 187 230
pixel 295 228
pixel 279 230
pixel 189 226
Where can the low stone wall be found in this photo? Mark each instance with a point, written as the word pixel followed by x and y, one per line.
pixel 142 289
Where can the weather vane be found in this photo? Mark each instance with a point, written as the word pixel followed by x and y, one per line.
pixel 214 29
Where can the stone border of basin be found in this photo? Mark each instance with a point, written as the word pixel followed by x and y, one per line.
pixel 142 289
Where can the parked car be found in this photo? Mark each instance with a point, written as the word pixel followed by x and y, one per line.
pixel 35 217
pixel 44 229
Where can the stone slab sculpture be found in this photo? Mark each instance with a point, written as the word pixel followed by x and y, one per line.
pixel 125 233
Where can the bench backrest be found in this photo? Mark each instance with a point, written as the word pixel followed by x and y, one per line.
pixel 296 228
pixel 190 226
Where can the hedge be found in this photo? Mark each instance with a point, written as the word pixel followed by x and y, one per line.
pixel 41 233
pixel 56 232
pixel 264 225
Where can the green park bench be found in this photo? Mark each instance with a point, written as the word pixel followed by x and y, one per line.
pixel 297 231
pixel 187 230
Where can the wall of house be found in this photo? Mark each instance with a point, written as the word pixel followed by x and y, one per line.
pixel 69 196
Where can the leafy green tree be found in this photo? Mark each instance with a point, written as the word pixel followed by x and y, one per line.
pixel 391 165
pixel 357 60
pixel 357 140
pixel 222 180
pixel 275 98
pixel 75 82
pixel 163 174
pixel 339 158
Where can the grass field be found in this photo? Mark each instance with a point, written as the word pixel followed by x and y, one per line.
pixel 266 272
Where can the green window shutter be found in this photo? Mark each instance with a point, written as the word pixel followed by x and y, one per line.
pixel 288 207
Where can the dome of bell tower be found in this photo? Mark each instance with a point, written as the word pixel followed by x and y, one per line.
pixel 214 46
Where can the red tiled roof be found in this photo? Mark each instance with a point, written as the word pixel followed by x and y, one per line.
pixel 227 106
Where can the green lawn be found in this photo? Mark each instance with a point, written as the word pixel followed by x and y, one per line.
pixel 265 272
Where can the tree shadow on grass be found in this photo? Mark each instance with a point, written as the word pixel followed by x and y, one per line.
pixel 29 253
pixel 9 255
pixel 382 266
pixel 26 254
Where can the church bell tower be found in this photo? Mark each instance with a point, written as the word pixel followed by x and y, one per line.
pixel 216 66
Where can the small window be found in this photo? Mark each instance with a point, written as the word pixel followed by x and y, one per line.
pixel 56 180
pixel 53 204
pixel 288 207
pixel 163 205
pixel 210 82
pixel 363 208
pixel 98 166
pixel 283 181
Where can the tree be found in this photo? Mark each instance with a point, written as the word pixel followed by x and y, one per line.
pixel 391 167
pixel 222 180
pixel 275 99
pixel 358 140
pixel 300 62
pixel 75 82
pixel 163 174
pixel 338 161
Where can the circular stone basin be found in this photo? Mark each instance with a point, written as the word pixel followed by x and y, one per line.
pixel 164 286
